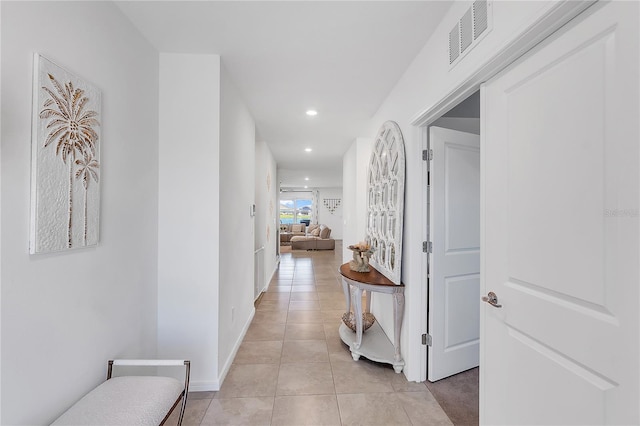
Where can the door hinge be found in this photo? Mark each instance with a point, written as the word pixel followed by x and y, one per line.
pixel 427 247
pixel 427 154
pixel 426 339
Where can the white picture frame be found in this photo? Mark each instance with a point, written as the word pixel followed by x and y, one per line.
pixel 65 160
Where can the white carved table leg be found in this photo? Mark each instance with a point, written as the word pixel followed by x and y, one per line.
pixel 367 294
pixel 398 315
pixel 357 303
pixel 347 294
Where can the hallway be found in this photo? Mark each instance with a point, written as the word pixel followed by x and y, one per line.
pixel 293 369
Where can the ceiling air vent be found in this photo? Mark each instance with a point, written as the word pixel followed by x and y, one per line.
pixel 466 31
pixel 480 18
pixel 454 44
pixel 469 29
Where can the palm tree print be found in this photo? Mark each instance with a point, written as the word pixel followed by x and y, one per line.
pixel 70 126
pixel 87 170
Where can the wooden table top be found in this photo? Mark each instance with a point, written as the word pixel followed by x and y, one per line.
pixel 372 277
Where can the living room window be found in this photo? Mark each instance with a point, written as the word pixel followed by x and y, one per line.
pixel 296 210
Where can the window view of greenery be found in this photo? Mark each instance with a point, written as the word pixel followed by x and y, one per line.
pixel 294 211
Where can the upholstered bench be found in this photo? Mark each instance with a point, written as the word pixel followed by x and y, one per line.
pixel 131 400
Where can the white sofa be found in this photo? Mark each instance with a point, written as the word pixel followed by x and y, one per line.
pixel 318 237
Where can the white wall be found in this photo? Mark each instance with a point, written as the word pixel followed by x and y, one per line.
pixel 428 80
pixel 266 220
pixel 206 236
pixel 355 165
pixel 349 204
pixel 65 314
pixel 332 220
pixel 469 108
pixel 1 230
pixel 468 125
pixel 237 194
pixel 188 236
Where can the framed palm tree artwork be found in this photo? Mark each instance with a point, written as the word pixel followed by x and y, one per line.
pixel 65 163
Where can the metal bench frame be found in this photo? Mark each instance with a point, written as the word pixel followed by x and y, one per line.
pixel 159 363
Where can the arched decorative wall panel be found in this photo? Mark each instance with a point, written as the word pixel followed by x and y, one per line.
pixel 385 201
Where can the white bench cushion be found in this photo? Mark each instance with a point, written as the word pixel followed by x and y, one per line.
pixel 127 400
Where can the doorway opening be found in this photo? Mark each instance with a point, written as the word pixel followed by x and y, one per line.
pixel 503 72
pixel 453 261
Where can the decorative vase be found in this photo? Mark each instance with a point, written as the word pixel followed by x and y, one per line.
pixel 360 262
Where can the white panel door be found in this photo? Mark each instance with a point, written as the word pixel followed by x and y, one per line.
pixel 560 228
pixel 454 263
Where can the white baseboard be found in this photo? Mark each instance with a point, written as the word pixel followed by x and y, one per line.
pixel 236 346
pixel 204 386
pixel 268 281
pixel 275 269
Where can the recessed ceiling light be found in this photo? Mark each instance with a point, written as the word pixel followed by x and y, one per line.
pixel 308 149
pixel 305 187
pixel 306 178
pixel 312 112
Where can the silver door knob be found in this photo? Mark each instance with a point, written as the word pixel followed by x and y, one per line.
pixel 491 299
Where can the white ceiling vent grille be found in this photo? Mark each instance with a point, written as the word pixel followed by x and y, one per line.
pixel 469 29
pixel 466 30
pixel 480 18
pixel 454 44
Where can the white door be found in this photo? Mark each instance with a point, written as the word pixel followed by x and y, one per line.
pixel 454 261
pixel 560 228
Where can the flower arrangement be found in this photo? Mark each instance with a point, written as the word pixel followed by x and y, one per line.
pixel 361 254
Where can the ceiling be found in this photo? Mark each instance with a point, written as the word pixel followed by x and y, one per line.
pixel 341 58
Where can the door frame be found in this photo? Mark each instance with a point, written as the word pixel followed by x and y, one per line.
pixel 555 17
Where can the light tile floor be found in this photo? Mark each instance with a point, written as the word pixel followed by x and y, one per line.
pixel 293 369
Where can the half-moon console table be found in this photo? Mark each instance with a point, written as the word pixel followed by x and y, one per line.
pixel 374 344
